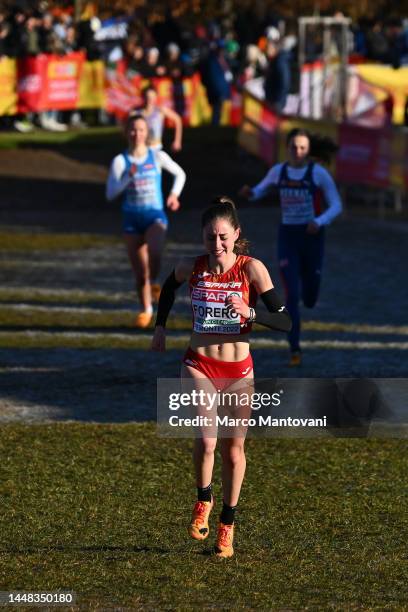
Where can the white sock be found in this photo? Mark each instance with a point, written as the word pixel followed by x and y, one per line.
pixel 149 309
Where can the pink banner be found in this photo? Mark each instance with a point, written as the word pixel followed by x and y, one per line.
pixel 364 155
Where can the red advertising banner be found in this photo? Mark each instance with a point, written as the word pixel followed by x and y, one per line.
pixel 186 96
pixel 122 94
pixel 52 82
pixel 269 135
pixel 30 79
pixel 49 82
pixel 62 82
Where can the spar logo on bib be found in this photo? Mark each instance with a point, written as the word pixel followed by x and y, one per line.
pixel 210 312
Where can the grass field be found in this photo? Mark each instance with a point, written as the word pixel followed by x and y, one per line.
pixel 97 137
pixel 103 510
pixel 99 504
pixel 103 137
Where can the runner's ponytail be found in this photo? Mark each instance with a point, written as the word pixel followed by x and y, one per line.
pixel 321 147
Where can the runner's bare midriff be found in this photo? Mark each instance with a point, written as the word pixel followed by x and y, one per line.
pixel 235 347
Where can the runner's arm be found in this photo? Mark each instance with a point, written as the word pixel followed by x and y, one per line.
pixel 178 126
pixel 324 181
pixel 262 188
pixel 180 274
pixel 277 317
pixel 166 163
pixel 118 178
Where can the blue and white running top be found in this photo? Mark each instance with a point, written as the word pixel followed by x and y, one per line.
pixel 142 189
pixel 301 191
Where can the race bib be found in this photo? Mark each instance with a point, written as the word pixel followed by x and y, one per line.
pixel 210 312
pixel 296 206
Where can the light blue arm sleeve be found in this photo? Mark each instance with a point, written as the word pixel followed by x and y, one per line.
pixel 324 181
pixel 271 179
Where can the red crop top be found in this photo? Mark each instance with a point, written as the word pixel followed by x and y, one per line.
pixel 208 292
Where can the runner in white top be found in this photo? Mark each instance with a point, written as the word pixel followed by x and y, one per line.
pixel 136 174
pixel 155 115
pixel 118 180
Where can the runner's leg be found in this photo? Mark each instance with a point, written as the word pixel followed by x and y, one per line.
pixel 233 460
pixel 206 442
pixel 139 259
pixel 311 267
pixel 203 453
pixel 155 237
pixel 232 438
pixel 288 258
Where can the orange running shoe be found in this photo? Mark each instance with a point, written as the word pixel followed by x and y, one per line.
pixel 295 359
pixel 225 536
pixel 155 290
pixel 143 319
pixel 198 528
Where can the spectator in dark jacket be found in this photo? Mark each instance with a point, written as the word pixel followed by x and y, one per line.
pixel 16 40
pixel 216 78
pixel 398 38
pixel 277 78
pixel 137 63
pixel 173 64
pixel 86 37
pixel 377 44
pixel 153 67
pixel 4 32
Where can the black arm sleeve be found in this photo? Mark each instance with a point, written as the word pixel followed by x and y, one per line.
pixel 277 316
pixel 166 301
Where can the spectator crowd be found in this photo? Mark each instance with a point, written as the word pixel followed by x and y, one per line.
pixel 227 51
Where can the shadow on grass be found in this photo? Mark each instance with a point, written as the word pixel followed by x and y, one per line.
pixel 58 205
pixel 32 550
pixel 110 385
pixel 122 329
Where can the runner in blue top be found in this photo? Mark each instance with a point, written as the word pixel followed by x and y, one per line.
pixel 136 174
pixel 302 185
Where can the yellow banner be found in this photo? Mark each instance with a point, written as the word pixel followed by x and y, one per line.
pixel 92 85
pixel 248 138
pixel 8 89
pixel 200 109
pixel 393 80
pixel 398 159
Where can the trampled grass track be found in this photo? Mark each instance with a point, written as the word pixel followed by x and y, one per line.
pixel 24 315
pixel 103 510
pixel 79 340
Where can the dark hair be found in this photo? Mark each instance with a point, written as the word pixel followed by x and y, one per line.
pixel 134 115
pixel 298 132
pixel 146 88
pixel 222 207
pixel 321 147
